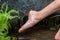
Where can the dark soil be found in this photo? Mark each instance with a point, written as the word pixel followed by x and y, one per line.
pixel 39 35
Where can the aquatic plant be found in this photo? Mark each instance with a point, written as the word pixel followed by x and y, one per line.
pixel 57 18
pixel 5 15
pixel 7 38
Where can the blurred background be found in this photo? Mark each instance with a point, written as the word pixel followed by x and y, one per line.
pixel 44 30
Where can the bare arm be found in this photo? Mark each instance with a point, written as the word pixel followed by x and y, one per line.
pixel 50 9
pixel 35 17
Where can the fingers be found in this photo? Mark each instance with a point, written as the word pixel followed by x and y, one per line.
pixel 32 20
pixel 57 36
pixel 20 30
pixel 27 25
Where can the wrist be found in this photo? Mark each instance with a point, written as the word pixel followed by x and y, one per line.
pixel 50 9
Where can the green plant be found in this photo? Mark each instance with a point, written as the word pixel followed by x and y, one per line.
pixel 57 16
pixel 4 24
pixel 53 21
pixel 7 38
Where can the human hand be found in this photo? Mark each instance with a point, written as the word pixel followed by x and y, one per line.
pixel 33 18
pixel 57 36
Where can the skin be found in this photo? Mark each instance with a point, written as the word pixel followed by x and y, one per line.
pixel 35 16
pixel 57 36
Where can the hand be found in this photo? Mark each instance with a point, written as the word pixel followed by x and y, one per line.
pixel 32 19
pixel 35 16
pixel 57 36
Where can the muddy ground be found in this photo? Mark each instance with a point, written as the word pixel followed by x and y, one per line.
pixel 39 35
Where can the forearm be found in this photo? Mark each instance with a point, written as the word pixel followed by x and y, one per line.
pixel 50 9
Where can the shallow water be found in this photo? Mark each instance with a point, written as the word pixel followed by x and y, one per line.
pixel 24 6
pixel 39 35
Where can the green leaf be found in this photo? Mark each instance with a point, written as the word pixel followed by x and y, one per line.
pixel 4 24
pixel 3 5
pixel 6 9
pixel 1 11
pixel 12 11
pixel 55 16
